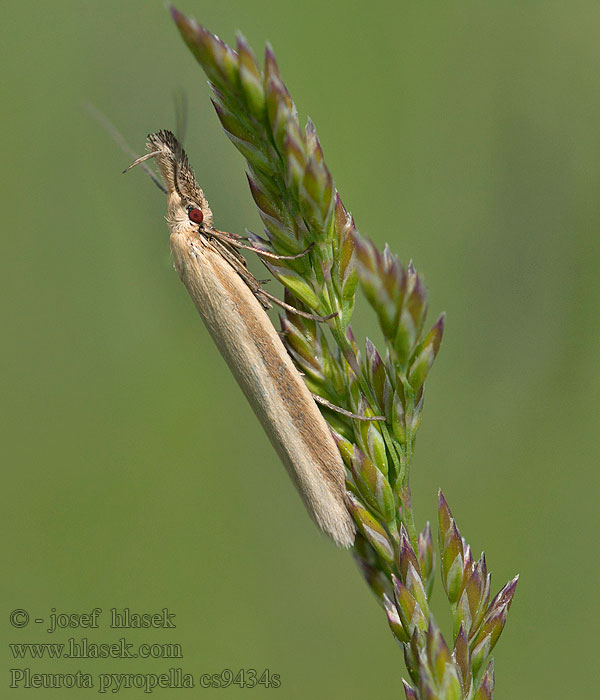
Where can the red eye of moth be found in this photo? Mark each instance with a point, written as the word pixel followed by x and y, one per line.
pixel 196 215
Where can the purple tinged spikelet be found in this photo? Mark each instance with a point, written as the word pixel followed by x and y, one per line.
pixel 387 396
pixel 296 160
pixel 344 226
pixel 218 60
pixel 463 614
pixel 345 447
pixel 376 373
pixel 369 437
pixel 281 117
pixel 462 657
pixel 302 350
pixel 409 691
pixel 399 416
pixel 412 317
pixel 307 327
pixel 495 616
pixel 417 411
pixel 355 397
pixel 475 595
pixel 371 529
pixel 253 154
pixel 383 281
pixel 486 685
pixel 410 573
pixel 394 621
pixel 281 112
pixel 406 554
pixel 411 655
pixel 317 186
pixel 326 265
pixel 271 72
pixel 445 516
pixel 351 338
pixel 399 299
pixel 354 358
pixel 467 584
pixel 297 285
pixel 438 652
pixel 316 195
pixel 453 570
pixel 437 675
pixel 311 187
pixel 373 486
pixel 277 110
pixel 484 580
pixel 313 145
pixel 416 302
pixel 250 78
pixel 231 125
pixel 265 204
pixel 345 275
pixel 451 547
pixel 376 444
pixel 410 612
pixel 414 583
pixel 427 558
pixel 426 688
pixel 480 653
pixel 426 354
pixel 393 274
pixel 505 595
pixel 329 358
pixel 279 228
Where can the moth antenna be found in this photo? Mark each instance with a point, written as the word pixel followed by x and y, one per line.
pixel 119 139
pixel 147 170
pixel 343 411
pixel 140 160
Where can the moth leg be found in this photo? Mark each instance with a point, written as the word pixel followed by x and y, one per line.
pixel 234 240
pixel 276 256
pixel 343 411
pixel 237 262
pixel 293 309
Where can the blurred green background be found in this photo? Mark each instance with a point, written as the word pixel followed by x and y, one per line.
pixel 466 135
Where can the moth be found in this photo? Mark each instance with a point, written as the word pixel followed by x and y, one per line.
pixel 232 304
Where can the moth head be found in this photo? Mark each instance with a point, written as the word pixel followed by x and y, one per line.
pixel 188 208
